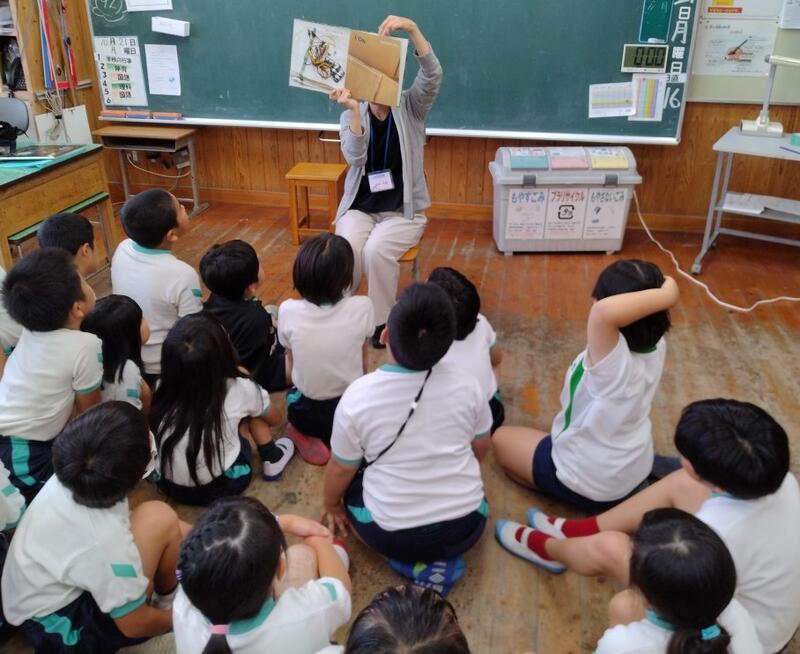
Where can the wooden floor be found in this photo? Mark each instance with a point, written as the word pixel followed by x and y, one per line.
pixel 538 306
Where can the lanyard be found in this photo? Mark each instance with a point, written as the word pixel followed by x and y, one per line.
pixel 386 148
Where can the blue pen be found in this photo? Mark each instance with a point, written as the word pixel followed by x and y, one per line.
pixel 792 150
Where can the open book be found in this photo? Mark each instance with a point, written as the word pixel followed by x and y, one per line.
pixel 325 58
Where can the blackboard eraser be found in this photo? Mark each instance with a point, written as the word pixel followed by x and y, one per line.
pixel 167 115
pixel 170 26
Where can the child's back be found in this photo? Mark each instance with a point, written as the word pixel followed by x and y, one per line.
pixel 144 268
pixel 10 329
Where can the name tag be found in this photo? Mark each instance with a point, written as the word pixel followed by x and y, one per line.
pixel 380 180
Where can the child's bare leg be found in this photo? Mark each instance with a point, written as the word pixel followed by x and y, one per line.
pixel 625 607
pixel 259 431
pixel 158 533
pixel 678 490
pixel 607 553
pixel 301 567
pixel 514 448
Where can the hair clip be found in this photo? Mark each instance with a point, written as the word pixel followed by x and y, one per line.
pixel 219 630
pixel 178 574
pixel 710 633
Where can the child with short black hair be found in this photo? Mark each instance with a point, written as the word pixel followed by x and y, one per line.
pixel 144 269
pixel 600 447
pixel 232 272
pixel 683 577
pixel 10 329
pixel 736 479
pixel 73 233
pixel 201 404
pixel 84 574
pixel 475 345
pixel 232 567
pixel 406 448
pixel 118 322
pixel 56 368
pixel 325 335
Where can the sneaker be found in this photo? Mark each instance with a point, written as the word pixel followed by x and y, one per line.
pixel 440 576
pixel 540 521
pixel 311 449
pixel 376 337
pixel 273 471
pixel 505 531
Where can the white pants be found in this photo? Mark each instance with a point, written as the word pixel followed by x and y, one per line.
pixel 378 241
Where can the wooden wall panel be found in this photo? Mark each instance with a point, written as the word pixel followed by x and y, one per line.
pixel 249 164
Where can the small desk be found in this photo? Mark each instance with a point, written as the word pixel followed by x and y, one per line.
pixel 723 201
pixel 125 138
pixel 29 195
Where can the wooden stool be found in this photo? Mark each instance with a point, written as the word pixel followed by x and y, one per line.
pixel 300 178
pixel 410 256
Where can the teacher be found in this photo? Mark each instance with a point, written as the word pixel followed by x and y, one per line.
pixel 385 191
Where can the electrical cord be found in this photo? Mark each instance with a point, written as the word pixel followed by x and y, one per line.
pixel 694 280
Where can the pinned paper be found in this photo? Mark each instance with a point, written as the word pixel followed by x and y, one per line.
pixel 743 8
pixel 649 91
pixel 149 5
pixel 734 47
pixel 606 100
pixel 566 210
pixel 605 213
pixel 527 210
pixel 790 15
pixel 119 69
pixel 163 72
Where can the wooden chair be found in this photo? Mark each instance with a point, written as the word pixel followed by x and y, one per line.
pixel 299 179
pixel 412 256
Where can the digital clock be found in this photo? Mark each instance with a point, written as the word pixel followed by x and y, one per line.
pixel 644 58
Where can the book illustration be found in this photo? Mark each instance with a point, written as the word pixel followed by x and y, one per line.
pixel 325 58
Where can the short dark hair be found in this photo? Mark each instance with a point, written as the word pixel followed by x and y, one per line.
pixel 421 326
pixel 148 216
pixel 686 573
pixel 116 320
pixel 736 446
pixel 102 454
pixel 463 295
pixel 229 268
pixel 407 619
pixel 628 276
pixel 41 288
pixel 228 562
pixel 323 268
pixel 68 231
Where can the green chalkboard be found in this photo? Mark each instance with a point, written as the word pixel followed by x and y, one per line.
pixel 513 68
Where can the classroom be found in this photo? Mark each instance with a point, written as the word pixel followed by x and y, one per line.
pixel 395 328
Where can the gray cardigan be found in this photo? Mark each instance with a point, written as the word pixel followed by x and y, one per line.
pixel 415 103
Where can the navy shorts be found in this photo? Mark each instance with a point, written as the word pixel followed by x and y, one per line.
pixel 311 417
pixel 498 412
pixel 29 464
pixel 271 375
pixel 544 476
pixel 233 481
pixel 79 627
pixel 436 542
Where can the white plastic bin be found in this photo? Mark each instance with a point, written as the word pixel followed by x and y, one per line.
pixel 541 209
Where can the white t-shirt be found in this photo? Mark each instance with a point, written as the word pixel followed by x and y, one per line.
pixel 430 474
pixel 47 369
pixel 301 621
pixel 602 445
pixel 326 343
pixel 128 390
pixel 10 330
pixel 165 287
pixel 244 399
pixel 645 637
pixel 473 355
pixel 61 549
pixel 763 537
pixel 12 503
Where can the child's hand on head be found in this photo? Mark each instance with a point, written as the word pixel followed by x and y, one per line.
pixel 301 527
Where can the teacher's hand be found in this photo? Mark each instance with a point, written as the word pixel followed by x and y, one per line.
pixel 343 97
pixel 392 24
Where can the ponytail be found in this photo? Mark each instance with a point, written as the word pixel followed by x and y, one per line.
pixel 218 643
pixel 711 640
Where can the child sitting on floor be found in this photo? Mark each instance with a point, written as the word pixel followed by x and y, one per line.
pixel 325 335
pixel 144 269
pixel 234 596
pixel 231 272
pixel 56 369
pixel 118 322
pixel 406 446
pixel 475 346
pixel 73 233
pixel 84 573
pixel 10 329
pixel 201 404
pixel 600 449
pixel 736 479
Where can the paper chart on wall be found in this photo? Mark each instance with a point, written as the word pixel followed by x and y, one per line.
pixel 163 71
pixel 790 15
pixel 119 70
pixel 734 47
pixel 526 214
pixel 741 8
pixel 649 91
pixel 607 100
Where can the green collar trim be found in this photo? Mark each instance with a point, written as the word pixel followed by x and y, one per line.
pixel 144 250
pixel 240 627
pixel 396 367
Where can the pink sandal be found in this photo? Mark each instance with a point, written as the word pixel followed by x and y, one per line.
pixel 312 450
